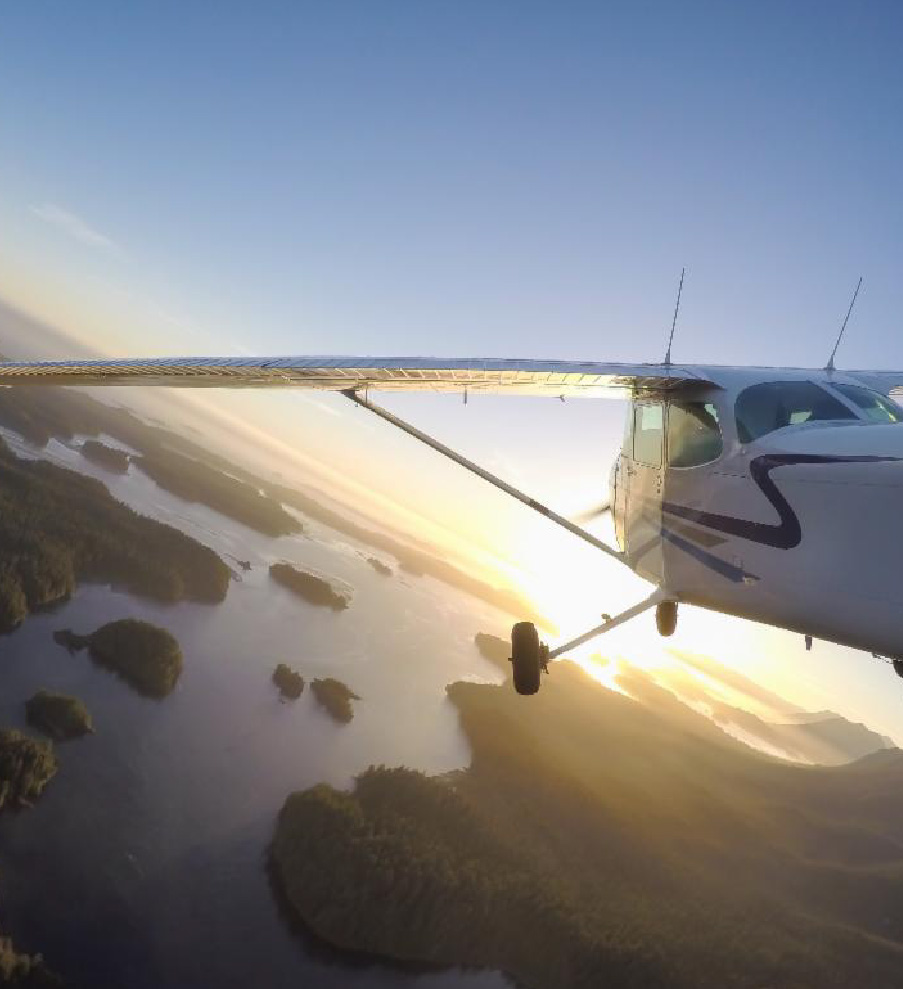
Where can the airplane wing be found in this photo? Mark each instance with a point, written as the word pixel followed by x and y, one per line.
pixel 439 374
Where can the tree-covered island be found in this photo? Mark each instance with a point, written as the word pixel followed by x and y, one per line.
pixel 146 656
pixel 59 716
pixel 188 470
pixel 197 481
pixel 26 767
pixel 310 587
pixel 59 528
pixel 494 649
pixel 599 840
pixel 289 681
pixel 108 457
pixel 335 698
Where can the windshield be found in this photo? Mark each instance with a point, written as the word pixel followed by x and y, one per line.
pixel 763 408
pixel 876 407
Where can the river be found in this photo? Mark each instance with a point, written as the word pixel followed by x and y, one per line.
pixel 143 865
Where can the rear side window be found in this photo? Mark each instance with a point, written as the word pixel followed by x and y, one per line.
pixel 761 409
pixel 648 433
pixel 694 436
pixel 876 407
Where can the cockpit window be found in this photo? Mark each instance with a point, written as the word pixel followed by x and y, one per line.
pixel 648 433
pixel 876 407
pixel 761 409
pixel 694 436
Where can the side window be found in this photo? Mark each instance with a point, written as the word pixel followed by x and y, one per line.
pixel 694 436
pixel 648 431
pixel 761 409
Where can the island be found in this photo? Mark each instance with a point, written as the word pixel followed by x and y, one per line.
pixel 380 567
pixel 601 839
pixel 197 481
pixel 108 457
pixel 335 697
pixel 189 470
pixel 26 767
pixel 310 587
pixel 58 715
pixel 146 656
pixel 495 649
pixel 59 528
pixel 289 682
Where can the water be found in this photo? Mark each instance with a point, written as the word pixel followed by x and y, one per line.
pixel 144 862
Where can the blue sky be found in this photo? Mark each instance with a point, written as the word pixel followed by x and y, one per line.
pixel 488 178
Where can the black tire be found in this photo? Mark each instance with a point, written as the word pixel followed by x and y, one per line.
pixel 525 657
pixel 666 617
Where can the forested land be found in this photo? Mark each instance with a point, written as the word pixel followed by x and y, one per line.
pixel 108 457
pixel 309 587
pixel 40 415
pixel 58 528
pixel 145 655
pixel 26 767
pixel 59 716
pixel 597 840
pixel 335 698
pixel 289 681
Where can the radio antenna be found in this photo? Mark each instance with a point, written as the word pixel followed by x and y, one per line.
pixel 830 365
pixel 674 320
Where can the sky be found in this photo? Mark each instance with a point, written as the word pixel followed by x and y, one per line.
pixel 473 178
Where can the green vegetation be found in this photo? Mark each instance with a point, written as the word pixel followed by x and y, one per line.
pixel 381 568
pixel 335 697
pixel 495 649
pixel 146 656
pixel 27 971
pixel 26 767
pixel 310 587
pixel 58 715
pixel 108 457
pixel 196 481
pixel 58 527
pixel 40 414
pixel 597 840
pixel 289 682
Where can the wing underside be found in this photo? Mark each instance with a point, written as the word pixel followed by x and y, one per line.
pixel 519 377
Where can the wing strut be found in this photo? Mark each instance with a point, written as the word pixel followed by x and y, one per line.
pixel 657 596
pixel 446 451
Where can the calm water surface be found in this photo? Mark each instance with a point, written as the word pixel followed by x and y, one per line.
pixel 143 863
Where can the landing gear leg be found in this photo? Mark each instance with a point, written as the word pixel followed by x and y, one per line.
pixel 666 617
pixel 530 658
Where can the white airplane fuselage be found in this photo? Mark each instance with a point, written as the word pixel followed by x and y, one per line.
pixel 800 527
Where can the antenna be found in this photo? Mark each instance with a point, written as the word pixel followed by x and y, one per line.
pixel 674 320
pixel 830 365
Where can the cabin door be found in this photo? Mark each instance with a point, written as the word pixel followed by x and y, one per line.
pixel 644 470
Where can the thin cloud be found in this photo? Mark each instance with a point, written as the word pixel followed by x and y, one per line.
pixel 75 226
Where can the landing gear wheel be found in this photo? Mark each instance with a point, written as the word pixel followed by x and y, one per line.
pixel 526 657
pixel 666 617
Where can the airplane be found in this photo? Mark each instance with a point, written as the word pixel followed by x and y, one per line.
pixel 770 494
